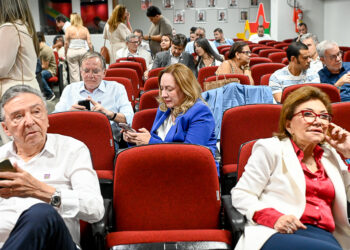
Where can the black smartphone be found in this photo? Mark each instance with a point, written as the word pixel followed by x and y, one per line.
pixel 126 127
pixel 85 103
pixel 6 166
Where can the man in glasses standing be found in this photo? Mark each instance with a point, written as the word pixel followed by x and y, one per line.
pixel 336 71
pixel 297 71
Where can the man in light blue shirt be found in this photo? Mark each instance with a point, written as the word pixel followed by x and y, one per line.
pixel 297 72
pixel 220 39
pixel 200 33
pixel 107 97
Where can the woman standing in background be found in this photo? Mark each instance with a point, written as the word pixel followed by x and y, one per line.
pixel 116 31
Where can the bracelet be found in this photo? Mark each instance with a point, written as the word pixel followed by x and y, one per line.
pixel 113 117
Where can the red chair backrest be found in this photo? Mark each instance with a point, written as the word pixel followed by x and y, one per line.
pixel 341 117
pixel 155 72
pixel 329 89
pixel 151 83
pixel 226 54
pixel 272 43
pixel 144 119
pixel 281 45
pixel 264 80
pixel 162 187
pixel 243 79
pixel 266 52
pixel 254 55
pixel 253 45
pixel 223 50
pixel 258 60
pixel 244 153
pixel 92 128
pixel 261 69
pixel 221 47
pixel 347 56
pixel 257 49
pixel 285 61
pixel 205 72
pixel 127 85
pixel 237 39
pixel 266 41
pixel 135 59
pixel 148 100
pixel 128 73
pixel 244 123
pixel 130 65
pixel 288 40
pixel 277 57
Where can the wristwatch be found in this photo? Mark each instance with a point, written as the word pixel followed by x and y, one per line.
pixel 149 38
pixel 56 199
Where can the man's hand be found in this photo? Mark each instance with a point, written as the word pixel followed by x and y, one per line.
pixel 344 79
pixel 339 139
pixel 76 107
pixel 22 184
pixel 98 107
pixel 288 224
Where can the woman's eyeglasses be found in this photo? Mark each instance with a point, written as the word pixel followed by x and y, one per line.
pixel 310 116
pixel 248 53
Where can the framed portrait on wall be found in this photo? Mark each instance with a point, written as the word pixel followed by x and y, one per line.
pixel 243 15
pixel 190 4
pixel 233 3
pixel 168 4
pixel 201 16
pixel 179 16
pixel 145 4
pixel 211 3
pixel 222 15
pixel 254 3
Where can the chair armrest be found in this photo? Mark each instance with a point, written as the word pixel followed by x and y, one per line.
pixel 236 219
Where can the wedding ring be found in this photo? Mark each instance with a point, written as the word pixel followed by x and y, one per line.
pixel 289 231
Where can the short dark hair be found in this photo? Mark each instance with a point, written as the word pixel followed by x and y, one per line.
pixel 41 36
pixel 56 38
pixel 138 31
pixel 294 49
pixel 261 26
pixel 302 24
pixel 61 18
pixel 218 30
pixel 152 11
pixel 180 40
pixel 236 47
pixel 193 30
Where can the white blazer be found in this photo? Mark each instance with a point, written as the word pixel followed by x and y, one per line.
pixel 273 178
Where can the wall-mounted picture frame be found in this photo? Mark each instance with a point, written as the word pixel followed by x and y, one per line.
pixel 222 15
pixel 168 4
pixel 145 4
pixel 211 3
pixel 243 15
pixel 179 16
pixel 254 3
pixel 201 16
pixel 190 4
pixel 233 4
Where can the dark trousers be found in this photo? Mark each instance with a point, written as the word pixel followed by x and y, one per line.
pixel 312 238
pixel 40 227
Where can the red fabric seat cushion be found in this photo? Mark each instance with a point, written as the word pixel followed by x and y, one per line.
pixel 53 79
pixel 135 237
pixel 229 168
pixel 105 174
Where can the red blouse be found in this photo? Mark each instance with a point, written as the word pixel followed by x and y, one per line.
pixel 319 196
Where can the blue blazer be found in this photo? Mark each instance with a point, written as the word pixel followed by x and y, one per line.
pixel 196 126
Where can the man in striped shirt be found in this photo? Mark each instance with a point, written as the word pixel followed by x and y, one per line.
pixel 297 72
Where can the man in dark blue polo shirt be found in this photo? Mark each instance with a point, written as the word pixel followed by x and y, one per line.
pixel 335 71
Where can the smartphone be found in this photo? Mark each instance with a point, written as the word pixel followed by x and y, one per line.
pixel 6 166
pixel 126 127
pixel 85 103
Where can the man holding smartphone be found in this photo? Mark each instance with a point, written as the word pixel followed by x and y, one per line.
pixel 53 186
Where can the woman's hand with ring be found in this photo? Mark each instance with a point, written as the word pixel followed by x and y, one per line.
pixel 288 224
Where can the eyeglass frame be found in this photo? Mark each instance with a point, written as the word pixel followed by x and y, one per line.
pixel 334 57
pixel 248 53
pixel 315 115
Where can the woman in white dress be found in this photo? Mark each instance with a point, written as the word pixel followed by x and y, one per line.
pixel 116 30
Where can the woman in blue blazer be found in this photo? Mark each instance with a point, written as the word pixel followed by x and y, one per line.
pixel 182 116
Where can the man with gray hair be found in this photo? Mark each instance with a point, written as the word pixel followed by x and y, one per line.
pixel 134 50
pixel 103 96
pixel 200 33
pixel 49 184
pixel 311 41
pixel 336 71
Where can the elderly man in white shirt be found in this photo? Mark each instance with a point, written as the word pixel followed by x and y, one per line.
pixel 260 36
pixel 53 185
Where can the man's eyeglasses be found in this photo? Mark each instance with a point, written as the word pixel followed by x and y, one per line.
pixel 248 53
pixel 310 116
pixel 134 42
pixel 93 71
pixel 334 57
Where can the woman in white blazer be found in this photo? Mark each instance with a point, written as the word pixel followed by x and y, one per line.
pixel 295 187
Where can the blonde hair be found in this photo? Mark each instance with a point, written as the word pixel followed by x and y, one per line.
pixel 76 20
pixel 18 10
pixel 117 17
pixel 187 83
pixel 294 99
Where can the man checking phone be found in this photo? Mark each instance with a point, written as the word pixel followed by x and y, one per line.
pixel 53 186
pixel 107 97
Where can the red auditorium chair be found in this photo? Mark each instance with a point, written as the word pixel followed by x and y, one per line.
pixel 243 79
pixel 341 117
pixel 266 52
pixel 329 89
pixel 128 73
pixel 58 79
pixel 127 85
pixel 130 65
pixel 266 41
pixel 261 69
pixel 238 40
pixel 151 83
pixel 258 60
pixel 205 72
pixel 224 50
pixel 257 49
pixel 290 40
pixel 244 153
pixel 277 57
pixel 253 45
pixel 281 45
pixel 272 43
pixel 346 56
pixel 254 55
pixel 285 61
pixel 167 196
pixel 222 47
pixel 226 54
pixel 144 119
pixel 135 59
pixel 148 100
pixel 264 80
pixel 155 72
pixel 241 124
